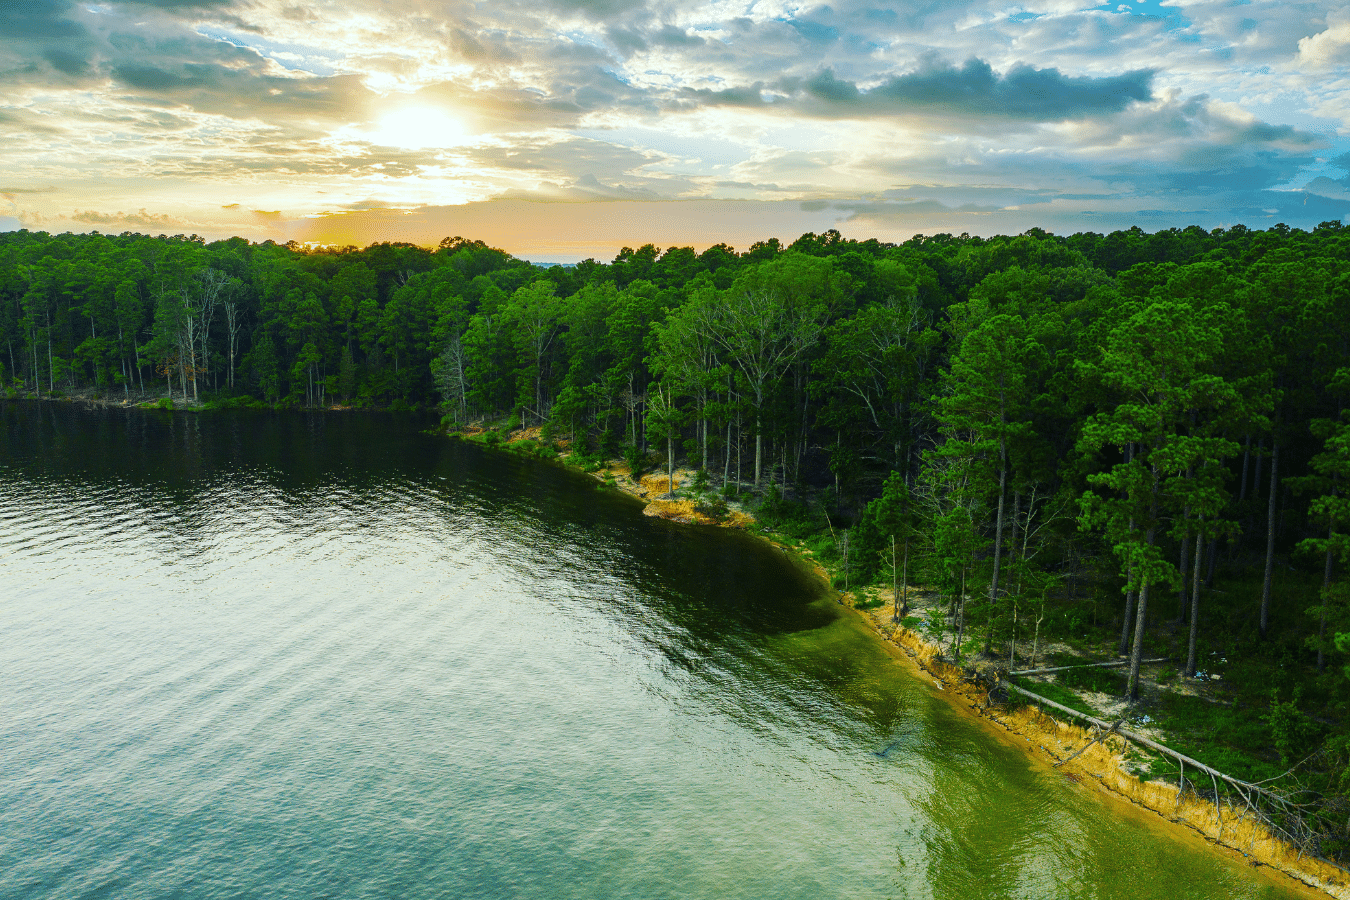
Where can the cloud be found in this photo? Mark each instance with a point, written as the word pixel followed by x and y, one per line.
pixel 939 89
pixel 863 111
pixel 141 219
pixel 47 20
pixel 1328 48
pixel 1331 188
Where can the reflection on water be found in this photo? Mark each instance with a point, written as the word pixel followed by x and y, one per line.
pixel 293 655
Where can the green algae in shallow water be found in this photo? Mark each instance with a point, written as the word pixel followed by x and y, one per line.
pixel 293 655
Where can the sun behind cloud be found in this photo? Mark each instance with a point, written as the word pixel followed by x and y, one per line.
pixel 418 128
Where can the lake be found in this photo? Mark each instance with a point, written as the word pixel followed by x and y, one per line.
pixel 296 655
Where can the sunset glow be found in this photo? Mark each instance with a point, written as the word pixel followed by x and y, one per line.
pixel 417 128
pixel 276 119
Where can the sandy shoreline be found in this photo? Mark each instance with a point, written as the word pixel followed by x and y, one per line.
pixel 1100 766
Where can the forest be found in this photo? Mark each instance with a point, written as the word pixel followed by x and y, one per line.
pixel 1138 442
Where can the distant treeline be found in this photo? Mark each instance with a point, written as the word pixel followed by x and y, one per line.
pixel 1030 415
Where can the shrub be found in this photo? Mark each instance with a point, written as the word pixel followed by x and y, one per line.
pixel 712 506
pixel 635 459
pixel 1296 734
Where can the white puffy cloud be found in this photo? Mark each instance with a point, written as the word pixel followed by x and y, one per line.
pixel 1329 48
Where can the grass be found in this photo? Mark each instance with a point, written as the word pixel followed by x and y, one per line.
pixel 1102 681
pixel 1057 693
pixel 1234 738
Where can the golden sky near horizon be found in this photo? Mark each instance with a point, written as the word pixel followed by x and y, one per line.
pixel 562 129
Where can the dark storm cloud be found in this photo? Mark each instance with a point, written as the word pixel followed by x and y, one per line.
pixel 973 90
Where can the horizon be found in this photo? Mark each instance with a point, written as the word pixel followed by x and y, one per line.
pixel 545 263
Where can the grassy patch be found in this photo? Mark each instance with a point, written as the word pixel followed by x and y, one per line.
pixel 1057 693
pixel 1088 678
pixel 1235 739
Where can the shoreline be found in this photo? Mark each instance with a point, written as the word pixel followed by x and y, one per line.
pixel 1052 740
pixel 1069 748
pixel 149 401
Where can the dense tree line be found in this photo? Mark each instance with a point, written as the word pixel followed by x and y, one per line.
pixel 1031 417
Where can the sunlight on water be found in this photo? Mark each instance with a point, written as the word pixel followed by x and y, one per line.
pixel 256 655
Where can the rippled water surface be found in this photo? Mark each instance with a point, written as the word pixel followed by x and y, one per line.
pixel 286 655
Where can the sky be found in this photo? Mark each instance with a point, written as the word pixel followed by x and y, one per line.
pixel 566 129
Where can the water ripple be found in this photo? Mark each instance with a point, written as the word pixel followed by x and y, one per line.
pixel 298 656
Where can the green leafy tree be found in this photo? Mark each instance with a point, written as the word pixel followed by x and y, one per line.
pixel 1160 361
pixel 1330 479
pixel 764 327
pixel 984 409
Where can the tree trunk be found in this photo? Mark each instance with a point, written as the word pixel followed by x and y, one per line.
pixel 703 432
pixel 895 585
pixel 1195 606
pixel 759 446
pixel 998 544
pixel 726 456
pixel 1141 614
pixel 1270 538
pixel 140 377
pixel 1129 615
pixel 740 436
pixel 670 465
pixel 1137 653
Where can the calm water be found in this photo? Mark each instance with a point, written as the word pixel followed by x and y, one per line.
pixel 257 655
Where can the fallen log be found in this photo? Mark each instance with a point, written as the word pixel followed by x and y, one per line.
pixel 1099 665
pixel 1244 789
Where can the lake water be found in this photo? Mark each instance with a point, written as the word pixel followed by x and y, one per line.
pixel 301 656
